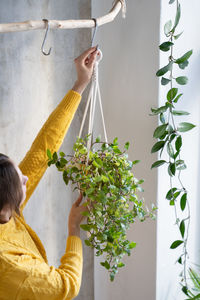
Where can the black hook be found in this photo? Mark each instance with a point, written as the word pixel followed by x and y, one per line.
pixel 42 48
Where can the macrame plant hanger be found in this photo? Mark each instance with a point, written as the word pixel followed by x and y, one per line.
pixel 94 93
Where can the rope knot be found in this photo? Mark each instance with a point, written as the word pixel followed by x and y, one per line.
pixel 95 71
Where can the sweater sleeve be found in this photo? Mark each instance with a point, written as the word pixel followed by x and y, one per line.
pixel 41 281
pixel 50 137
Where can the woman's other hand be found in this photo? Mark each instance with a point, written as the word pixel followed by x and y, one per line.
pixel 84 68
pixel 76 217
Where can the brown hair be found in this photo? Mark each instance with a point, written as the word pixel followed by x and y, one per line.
pixel 11 192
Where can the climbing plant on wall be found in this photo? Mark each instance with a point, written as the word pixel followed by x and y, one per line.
pixel 169 134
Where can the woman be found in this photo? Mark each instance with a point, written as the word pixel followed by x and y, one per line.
pixel 24 270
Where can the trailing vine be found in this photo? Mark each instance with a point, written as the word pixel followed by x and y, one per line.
pixel 103 175
pixel 169 137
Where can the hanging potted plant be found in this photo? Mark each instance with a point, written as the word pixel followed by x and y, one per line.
pixel 103 175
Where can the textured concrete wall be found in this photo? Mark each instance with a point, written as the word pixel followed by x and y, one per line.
pixel 31 85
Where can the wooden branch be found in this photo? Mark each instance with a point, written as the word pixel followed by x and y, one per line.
pixel 67 24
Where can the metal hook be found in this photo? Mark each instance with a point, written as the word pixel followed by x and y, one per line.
pixel 42 48
pixel 95 30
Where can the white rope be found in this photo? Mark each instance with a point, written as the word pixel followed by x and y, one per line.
pixel 102 115
pixel 85 113
pixel 123 3
pixel 91 102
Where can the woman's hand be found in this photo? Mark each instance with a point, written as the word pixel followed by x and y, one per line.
pixel 75 217
pixel 84 68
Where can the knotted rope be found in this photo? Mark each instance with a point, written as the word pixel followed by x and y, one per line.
pixel 94 93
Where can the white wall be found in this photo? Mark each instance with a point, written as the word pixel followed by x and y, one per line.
pixel 129 89
pixel 167 272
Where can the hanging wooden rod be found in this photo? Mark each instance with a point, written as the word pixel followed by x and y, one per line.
pixel 66 24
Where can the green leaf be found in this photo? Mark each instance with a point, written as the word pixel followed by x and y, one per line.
pixel 170 193
pixel 132 245
pixel 180 113
pixel 156 147
pixel 156 111
pixel 178 35
pixel 183 201
pixel 99 161
pixel 50 163
pixel 165 81
pixel 170 150
pixel 167 27
pixel 160 130
pixel 65 177
pixel 63 162
pixel 127 145
pixel 166 46
pixel 85 213
pixel 180 165
pixel 197 297
pixel 90 191
pixel 87 243
pixel 62 154
pixel 172 169
pixel 172 137
pixel 96 165
pixel 55 156
pixel 105 264
pixel 115 141
pixel 177 98
pixel 183 65
pixel 49 154
pixel 185 291
pixel 183 58
pixel 120 265
pixel 176 244
pixel 112 277
pixel 86 227
pixel 135 162
pixel 182 228
pixel 171 1
pixel 177 18
pixel 184 126
pixel 176 155
pixel 165 69
pixel 116 150
pixel 104 178
pixel 162 118
pixel 170 129
pixel 172 94
pixel 176 195
pixel 182 80
pixel 98 139
pixel 178 143
pixel 158 164
pixel 180 260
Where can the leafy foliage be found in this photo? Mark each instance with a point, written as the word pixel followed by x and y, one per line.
pixel 194 291
pixel 169 137
pixel 104 176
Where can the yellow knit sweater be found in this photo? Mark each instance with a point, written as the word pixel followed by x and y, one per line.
pixel 24 270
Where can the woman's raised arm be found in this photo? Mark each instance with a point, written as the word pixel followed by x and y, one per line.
pixel 55 128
